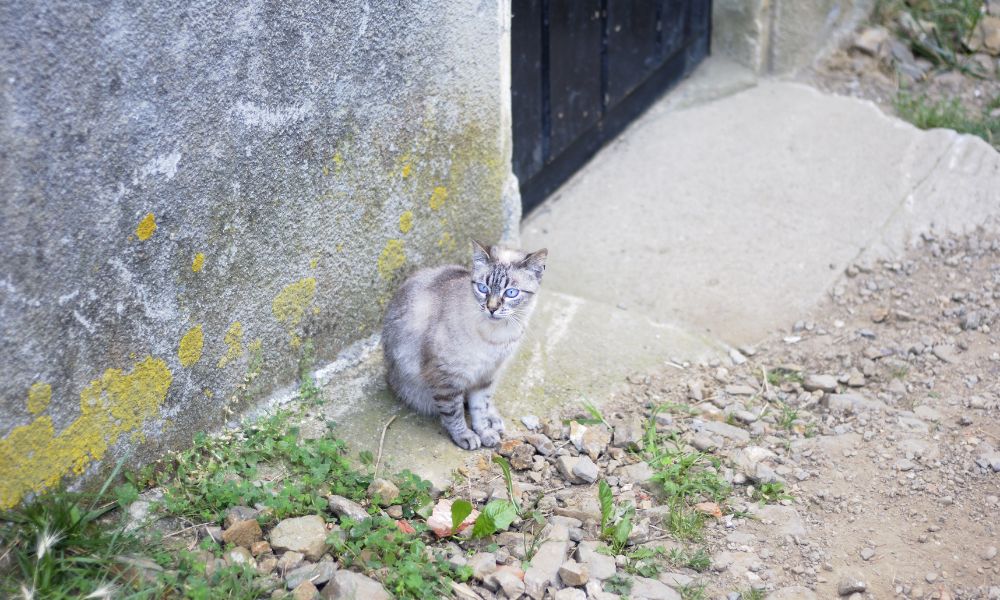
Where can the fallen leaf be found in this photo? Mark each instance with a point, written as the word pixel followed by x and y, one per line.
pixel 709 508
pixel 440 520
pixel 405 526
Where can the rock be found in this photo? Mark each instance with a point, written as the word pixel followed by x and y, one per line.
pixel 243 533
pixel 235 514
pixel 565 464
pixel 747 460
pixel 675 580
pixel 989 553
pixel 639 473
pixel 305 591
pixel 850 584
pixel 385 490
pixel 542 444
pixel 825 383
pixel 348 585
pixel 576 431
pixel 986 36
pixel 531 422
pixel 483 564
pixel 703 443
pixel 724 429
pixel 573 573
pixel 239 556
pixel 544 568
pixel 260 547
pixel 927 413
pixel 342 507
pixel 599 566
pixel 318 573
pixel 744 416
pixel 796 592
pixel 595 441
pixel 628 433
pixel 873 41
pixel 946 353
pixel 509 579
pixel 570 593
pixel 301 534
pixel 651 589
pixel 290 560
pixel 586 470
pixel 266 565
pixel 522 458
pixel 867 553
pixel 695 391
pixel 736 356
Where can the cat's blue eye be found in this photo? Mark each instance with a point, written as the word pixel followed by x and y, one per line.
pixel 512 292
pixel 482 288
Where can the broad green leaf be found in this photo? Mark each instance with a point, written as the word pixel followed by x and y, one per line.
pixel 607 502
pixel 496 516
pixel 622 529
pixel 460 509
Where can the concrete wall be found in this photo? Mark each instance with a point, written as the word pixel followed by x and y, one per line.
pixel 197 196
pixel 781 36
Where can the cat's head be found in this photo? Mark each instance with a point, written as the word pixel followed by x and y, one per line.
pixel 505 280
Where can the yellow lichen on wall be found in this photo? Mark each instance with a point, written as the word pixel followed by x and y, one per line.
pixel 438 196
pixel 391 259
pixel 406 221
pixel 33 457
pixel 234 344
pixel 198 263
pixel 146 227
pixel 189 350
pixel 290 305
pixel 39 396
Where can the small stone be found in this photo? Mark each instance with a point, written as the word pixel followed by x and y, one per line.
pixel 931 577
pixel 652 589
pixel 986 36
pixel 946 353
pixel 736 357
pixel 695 391
pixel 542 444
pixel 239 556
pixel 483 564
pixel 243 533
pixel 873 41
pixel 235 514
pixel 867 553
pixel 850 585
pixel 290 560
pixel 565 465
pixel 570 593
pixel 318 573
pixel 305 591
pixel 385 490
pixel 703 443
pixel 509 579
pixel 531 422
pixel 989 553
pixel 904 464
pixel 342 507
pixel 395 511
pixel 586 470
pixel 266 565
pixel 543 570
pixel 260 547
pixel 744 416
pixel 725 430
pixel 639 472
pixel 826 383
pixel 599 566
pixel 348 585
pixel 301 534
pixel 595 441
pixel 628 433
pixel 522 458
pixel 573 573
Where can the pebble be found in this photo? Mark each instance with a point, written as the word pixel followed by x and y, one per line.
pixel 825 383
pixel 850 584
pixel 348 585
pixel 867 553
pixel 386 491
pixel 573 574
pixel 542 444
pixel 342 507
pixel 531 422
pixel 628 433
pixel 989 553
pixel 300 534
pixel 243 533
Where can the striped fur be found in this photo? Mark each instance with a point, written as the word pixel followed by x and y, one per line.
pixel 446 343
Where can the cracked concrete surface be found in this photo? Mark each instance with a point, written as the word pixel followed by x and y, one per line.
pixel 699 229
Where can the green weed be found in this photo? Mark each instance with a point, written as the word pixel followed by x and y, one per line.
pixel 404 563
pixel 770 493
pixel 947 114
pixel 780 375
pixel 616 520
pixel 693 591
pixel 752 594
pixel 788 416
pixel 644 561
pixel 618 584
pixel 699 560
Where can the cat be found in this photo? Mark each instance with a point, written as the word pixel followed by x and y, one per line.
pixel 449 332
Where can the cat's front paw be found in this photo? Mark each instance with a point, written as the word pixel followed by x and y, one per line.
pixel 490 437
pixel 494 422
pixel 467 440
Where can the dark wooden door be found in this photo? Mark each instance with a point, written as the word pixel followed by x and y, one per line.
pixel 583 69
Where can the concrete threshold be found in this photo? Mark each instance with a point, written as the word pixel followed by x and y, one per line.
pixel 724 213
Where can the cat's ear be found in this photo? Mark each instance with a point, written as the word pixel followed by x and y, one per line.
pixel 480 253
pixel 535 262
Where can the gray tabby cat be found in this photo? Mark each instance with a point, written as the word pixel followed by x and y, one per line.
pixel 449 332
